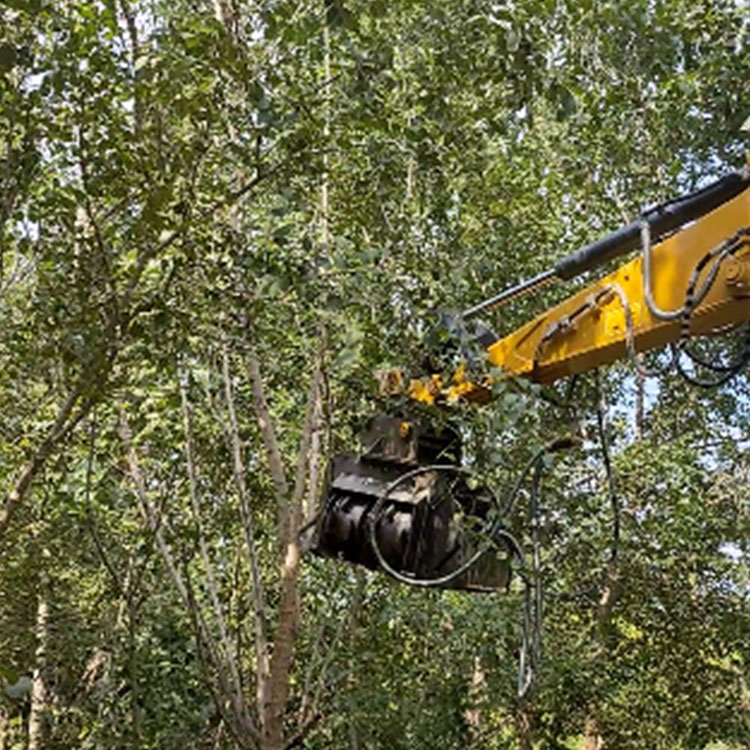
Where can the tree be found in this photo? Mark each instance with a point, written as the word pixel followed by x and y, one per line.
pixel 216 221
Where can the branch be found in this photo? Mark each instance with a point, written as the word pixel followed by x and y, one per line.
pixel 103 556
pixel 147 509
pixel 347 624
pixel 259 604
pixel 203 546
pixel 132 27
pixel 147 255
pixel 60 429
pixel 320 447
pixel 270 442
pixel 88 209
pixel 299 736
pixel 239 722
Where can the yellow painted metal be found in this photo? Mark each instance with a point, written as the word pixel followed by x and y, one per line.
pixel 459 387
pixel 598 336
pixel 425 391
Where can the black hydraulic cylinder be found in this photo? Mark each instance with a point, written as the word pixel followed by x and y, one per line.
pixel 662 219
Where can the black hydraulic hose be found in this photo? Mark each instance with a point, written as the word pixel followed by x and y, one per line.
pixel 513 293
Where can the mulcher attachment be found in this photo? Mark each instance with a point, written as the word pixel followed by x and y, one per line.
pixel 418 529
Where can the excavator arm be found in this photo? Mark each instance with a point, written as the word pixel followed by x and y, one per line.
pixel 596 326
pixel 394 505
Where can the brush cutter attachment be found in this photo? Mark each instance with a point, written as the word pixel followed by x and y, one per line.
pixel 406 505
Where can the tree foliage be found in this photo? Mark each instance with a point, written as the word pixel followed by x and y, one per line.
pixel 217 220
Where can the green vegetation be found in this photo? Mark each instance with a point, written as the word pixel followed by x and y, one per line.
pixel 217 220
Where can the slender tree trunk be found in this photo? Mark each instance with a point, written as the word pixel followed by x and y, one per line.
pixel 262 646
pixel 285 635
pixel 524 727
pixel 325 205
pixel 477 696
pixel 4 730
pixel 225 14
pixel 353 737
pixel 311 498
pixel 593 740
pixel 230 704
pixel 135 711
pixel 411 168
pixel 39 702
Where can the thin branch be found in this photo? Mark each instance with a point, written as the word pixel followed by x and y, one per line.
pixel 60 429
pixel 93 221
pixel 204 637
pixel 349 626
pixel 226 202
pixel 203 546
pixel 316 451
pixel 103 556
pixel 270 442
pixel 258 595
pixel 240 722
pixel 299 736
pixel 149 513
pixel 132 28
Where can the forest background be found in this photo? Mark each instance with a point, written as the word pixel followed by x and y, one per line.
pixel 217 220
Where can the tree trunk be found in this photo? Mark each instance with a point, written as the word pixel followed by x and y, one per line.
pixel 524 727
pixel 39 703
pixel 593 739
pixel 284 642
pixel 325 204
pixel 135 712
pixel 477 696
pixel 4 730
pixel 285 635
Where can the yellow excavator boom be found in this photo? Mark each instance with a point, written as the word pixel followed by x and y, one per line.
pixel 397 504
pixel 590 328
